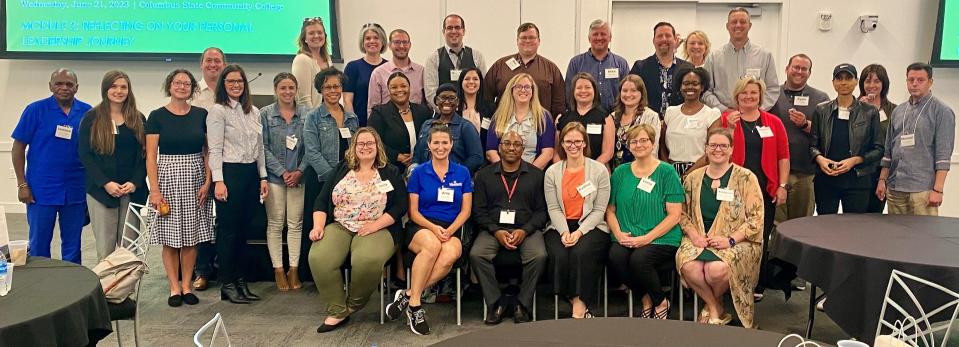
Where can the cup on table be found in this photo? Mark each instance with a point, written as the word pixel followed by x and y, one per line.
pixel 18 251
pixel 851 343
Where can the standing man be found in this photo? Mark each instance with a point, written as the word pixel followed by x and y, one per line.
pixel 795 108
pixel 736 59
pixel 400 45
pixel 605 66
pixel 509 209
pixel 658 69
pixel 919 143
pixel 54 182
pixel 212 62
pixel 445 64
pixel 552 90
pixel 846 145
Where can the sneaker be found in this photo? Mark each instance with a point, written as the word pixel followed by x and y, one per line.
pixel 400 303
pixel 417 321
pixel 820 304
pixel 799 285
pixel 757 297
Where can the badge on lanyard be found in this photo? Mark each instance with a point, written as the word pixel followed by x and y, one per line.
pixel 594 129
pixel 444 194
pixel 882 116
pixel 843 114
pixel 485 123
pixel 724 194
pixel 586 188
pixel 612 72
pixel 507 217
pixel 455 74
pixel 692 123
pixel 345 133
pixel 65 132
pixel 384 186
pixel 646 185
pixel 291 141
pixel 764 132
pixel 512 64
pixel 907 140
pixel 801 100
pixel 753 72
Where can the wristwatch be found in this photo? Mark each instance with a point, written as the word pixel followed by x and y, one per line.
pixel 732 242
pixel 787 186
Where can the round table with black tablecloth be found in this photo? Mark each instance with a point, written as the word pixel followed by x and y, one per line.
pixel 851 256
pixel 615 332
pixel 53 303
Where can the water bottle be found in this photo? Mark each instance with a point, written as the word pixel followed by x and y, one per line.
pixel 4 272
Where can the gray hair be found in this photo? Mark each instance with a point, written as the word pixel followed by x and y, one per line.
pixel 599 23
pixel 69 72
pixel 376 29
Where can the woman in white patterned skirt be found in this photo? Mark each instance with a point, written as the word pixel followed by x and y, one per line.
pixel 176 163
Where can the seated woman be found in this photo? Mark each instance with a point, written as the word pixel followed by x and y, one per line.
pixel 577 192
pixel 362 197
pixel 644 208
pixel 722 245
pixel 441 197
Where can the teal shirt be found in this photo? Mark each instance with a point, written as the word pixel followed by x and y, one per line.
pixel 639 212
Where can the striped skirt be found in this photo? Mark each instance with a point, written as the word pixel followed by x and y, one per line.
pixel 187 224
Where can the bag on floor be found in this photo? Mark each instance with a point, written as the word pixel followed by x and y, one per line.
pixel 119 273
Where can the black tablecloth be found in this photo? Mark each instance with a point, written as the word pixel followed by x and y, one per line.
pixel 53 303
pixel 615 332
pixel 851 257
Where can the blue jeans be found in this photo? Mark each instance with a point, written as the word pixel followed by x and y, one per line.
pixel 42 218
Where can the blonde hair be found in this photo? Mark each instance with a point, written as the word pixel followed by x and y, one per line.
pixel 572 127
pixel 301 40
pixel 633 132
pixel 702 36
pixel 353 162
pixel 507 106
pixel 746 81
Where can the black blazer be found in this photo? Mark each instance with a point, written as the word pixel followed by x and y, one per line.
pixel 101 169
pixel 388 123
pixel 397 200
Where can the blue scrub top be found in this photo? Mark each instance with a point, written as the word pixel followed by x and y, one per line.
pixel 426 183
pixel 54 172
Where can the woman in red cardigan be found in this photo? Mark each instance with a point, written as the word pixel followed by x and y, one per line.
pixel 760 145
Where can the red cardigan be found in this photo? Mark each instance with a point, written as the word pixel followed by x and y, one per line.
pixel 775 148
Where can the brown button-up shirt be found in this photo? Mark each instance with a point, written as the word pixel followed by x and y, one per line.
pixel 549 81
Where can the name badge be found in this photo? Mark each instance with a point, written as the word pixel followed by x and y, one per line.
pixel 692 123
pixel 800 100
pixel 753 72
pixel 507 217
pixel 764 132
pixel 65 132
pixel 723 194
pixel 384 186
pixel 485 123
pixel 594 129
pixel 116 130
pixel 512 64
pixel 882 116
pixel 586 188
pixel 345 133
pixel 843 114
pixel 455 75
pixel 444 195
pixel 907 140
pixel 291 141
pixel 612 72
pixel 646 185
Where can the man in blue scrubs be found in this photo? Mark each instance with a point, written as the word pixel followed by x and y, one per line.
pixel 54 181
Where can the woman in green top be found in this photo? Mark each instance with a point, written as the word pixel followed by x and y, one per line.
pixel 644 208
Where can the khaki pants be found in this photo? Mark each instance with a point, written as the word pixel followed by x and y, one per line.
pixel 910 203
pixel 368 255
pixel 284 207
pixel 801 199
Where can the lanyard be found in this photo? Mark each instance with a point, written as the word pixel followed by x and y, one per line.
pixel 509 191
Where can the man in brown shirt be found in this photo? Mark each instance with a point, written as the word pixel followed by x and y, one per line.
pixel 552 93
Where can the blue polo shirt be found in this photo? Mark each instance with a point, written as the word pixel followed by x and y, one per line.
pixel 426 183
pixel 54 172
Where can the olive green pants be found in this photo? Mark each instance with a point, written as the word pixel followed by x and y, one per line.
pixel 367 253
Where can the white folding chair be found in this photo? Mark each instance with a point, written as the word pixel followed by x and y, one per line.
pixel 923 328
pixel 219 328
pixel 136 238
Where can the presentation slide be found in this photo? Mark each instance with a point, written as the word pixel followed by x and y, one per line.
pixel 950 31
pixel 159 27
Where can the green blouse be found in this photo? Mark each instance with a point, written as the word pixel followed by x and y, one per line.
pixel 708 205
pixel 637 211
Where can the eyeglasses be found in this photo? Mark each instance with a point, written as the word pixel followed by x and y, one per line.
pixel 400 42
pixel 454 27
pixel 799 68
pixel 528 38
pixel 573 143
pixel 447 98
pixel 240 81
pixel 182 84
pixel 715 146
pixel 366 144
pixel 640 141
pixel 508 145
pixel 523 88
pixel 332 87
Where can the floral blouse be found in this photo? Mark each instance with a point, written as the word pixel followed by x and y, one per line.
pixel 357 203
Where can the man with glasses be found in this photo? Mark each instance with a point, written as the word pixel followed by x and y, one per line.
pixel 552 90
pixel 509 209
pixel 446 63
pixel 919 144
pixel 400 45
pixel 605 66
pixel 736 59
pixel 795 108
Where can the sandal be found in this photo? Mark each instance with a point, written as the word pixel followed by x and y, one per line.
pixel 664 314
pixel 703 316
pixel 647 313
pixel 723 320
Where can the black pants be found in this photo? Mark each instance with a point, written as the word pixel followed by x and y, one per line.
pixel 578 269
pixel 637 267
pixel 205 257
pixel 852 191
pixel 233 218
pixel 769 216
pixel 875 205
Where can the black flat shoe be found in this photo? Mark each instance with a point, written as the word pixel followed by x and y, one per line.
pixel 190 299
pixel 229 292
pixel 325 328
pixel 175 300
pixel 521 315
pixel 244 290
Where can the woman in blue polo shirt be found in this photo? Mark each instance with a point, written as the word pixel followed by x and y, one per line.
pixel 441 197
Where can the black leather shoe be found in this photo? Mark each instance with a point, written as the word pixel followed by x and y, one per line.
pixel 228 291
pixel 175 300
pixel 521 314
pixel 328 328
pixel 245 290
pixel 495 315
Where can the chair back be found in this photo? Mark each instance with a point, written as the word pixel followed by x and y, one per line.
pixel 909 321
pixel 136 233
pixel 219 330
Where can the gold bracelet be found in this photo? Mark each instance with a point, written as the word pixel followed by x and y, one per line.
pixel 21 185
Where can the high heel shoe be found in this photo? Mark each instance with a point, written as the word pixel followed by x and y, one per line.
pixel 293 276
pixel 281 279
pixel 228 291
pixel 244 290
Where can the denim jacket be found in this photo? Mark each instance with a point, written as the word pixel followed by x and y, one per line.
pixel 275 130
pixel 322 139
pixel 467 149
